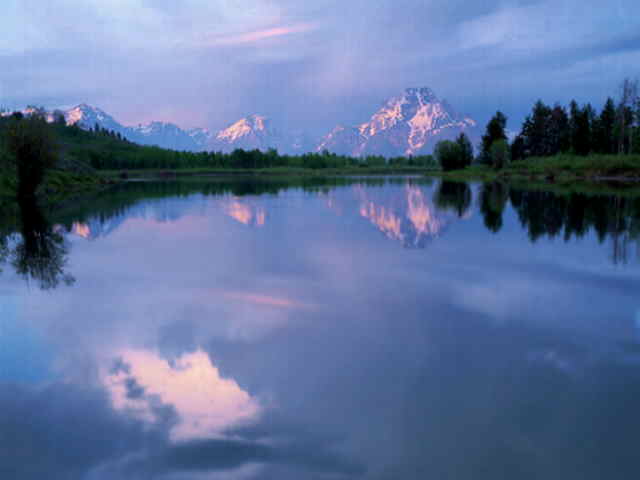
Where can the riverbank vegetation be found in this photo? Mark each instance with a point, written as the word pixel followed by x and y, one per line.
pixel 34 162
pixel 557 142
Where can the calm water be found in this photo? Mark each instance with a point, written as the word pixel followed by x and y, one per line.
pixel 381 329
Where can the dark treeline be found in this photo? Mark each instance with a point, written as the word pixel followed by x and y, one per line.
pixel 554 130
pixel 576 129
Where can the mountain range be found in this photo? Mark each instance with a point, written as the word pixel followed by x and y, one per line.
pixel 408 124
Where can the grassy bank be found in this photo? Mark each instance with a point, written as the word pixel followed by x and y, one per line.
pixel 57 185
pixel 272 171
pixel 559 168
pixel 562 174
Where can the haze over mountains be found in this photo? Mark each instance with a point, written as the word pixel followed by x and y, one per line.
pixel 408 124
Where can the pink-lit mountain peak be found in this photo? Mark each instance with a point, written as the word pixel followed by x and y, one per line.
pixel 253 124
pixel 420 110
pixel 407 124
pixel 87 115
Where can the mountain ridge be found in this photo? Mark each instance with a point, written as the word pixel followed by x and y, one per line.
pixel 405 125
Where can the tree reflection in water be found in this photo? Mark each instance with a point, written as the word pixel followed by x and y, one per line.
pixel 454 196
pixel 493 200
pixel 39 253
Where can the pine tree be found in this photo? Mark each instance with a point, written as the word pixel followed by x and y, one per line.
pixel 604 133
pixel 582 127
pixel 560 131
pixel 536 131
pixel 466 150
pixel 518 148
pixel 495 131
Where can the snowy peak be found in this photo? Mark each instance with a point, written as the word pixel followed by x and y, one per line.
pixel 408 124
pixel 342 140
pixel 250 133
pixel 400 109
pixel 201 136
pixel 87 116
pixel 253 124
pixel 164 134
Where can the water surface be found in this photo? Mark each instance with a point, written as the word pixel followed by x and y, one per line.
pixel 375 329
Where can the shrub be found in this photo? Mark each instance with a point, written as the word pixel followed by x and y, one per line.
pixel 449 155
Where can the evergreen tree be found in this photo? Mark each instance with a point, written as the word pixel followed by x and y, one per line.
pixel 582 145
pixel 574 114
pixel 581 123
pixel 536 131
pixel 495 131
pixel 518 148
pixel 604 130
pixel 466 150
pixel 559 130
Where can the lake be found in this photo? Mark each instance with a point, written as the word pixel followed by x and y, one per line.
pixel 375 328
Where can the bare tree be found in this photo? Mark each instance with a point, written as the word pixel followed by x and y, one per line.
pixel 626 111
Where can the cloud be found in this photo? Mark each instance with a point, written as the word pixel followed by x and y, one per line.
pixel 258 36
pixel 259 299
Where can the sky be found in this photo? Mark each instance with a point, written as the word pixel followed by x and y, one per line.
pixel 311 65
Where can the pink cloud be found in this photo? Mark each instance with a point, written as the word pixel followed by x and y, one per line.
pixel 264 300
pixel 259 35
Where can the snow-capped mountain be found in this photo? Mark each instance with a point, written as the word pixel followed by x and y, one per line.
pixel 252 132
pixel 166 135
pixel 86 116
pixel 409 124
pixel 343 141
pixel 249 133
pixel 162 134
pixel 202 137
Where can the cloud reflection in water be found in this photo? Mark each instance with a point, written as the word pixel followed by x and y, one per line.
pixel 206 404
